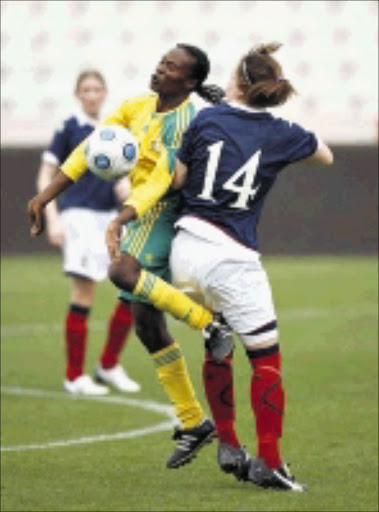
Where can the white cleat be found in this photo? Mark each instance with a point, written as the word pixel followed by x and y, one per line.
pixel 84 385
pixel 117 378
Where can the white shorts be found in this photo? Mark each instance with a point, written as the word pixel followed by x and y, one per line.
pixel 84 250
pixel 226 278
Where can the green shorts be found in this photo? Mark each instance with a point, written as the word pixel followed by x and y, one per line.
pixel 149 239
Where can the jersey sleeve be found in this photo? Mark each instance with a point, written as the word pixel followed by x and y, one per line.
pixel 143 197
pixel 299 143
pixel 76 164
pixel 122 115
pixel 58 149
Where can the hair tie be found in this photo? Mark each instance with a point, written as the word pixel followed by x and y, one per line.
pixel 279 79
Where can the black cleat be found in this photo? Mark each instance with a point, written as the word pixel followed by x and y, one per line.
pixel 190 441
pixel 218 339
pixel 278 478
pixel 234 460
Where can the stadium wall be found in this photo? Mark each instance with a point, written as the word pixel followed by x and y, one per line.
pixel 309 211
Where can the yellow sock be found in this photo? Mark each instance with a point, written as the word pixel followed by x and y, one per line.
pixel 173 375
pixel 167 298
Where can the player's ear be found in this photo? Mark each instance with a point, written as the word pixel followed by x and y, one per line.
pixel 191 84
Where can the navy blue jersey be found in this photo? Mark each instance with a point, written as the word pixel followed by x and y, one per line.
pixel 234 155
pixel 89 191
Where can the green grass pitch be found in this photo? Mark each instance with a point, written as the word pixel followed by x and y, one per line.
pixel 327 310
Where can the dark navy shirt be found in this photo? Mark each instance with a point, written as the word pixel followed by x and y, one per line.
pixel 89 191
pixel 234 155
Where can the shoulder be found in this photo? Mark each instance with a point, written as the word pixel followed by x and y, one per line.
pixel 142 99
pixel 64 129
pixel 67 124
pixel 207 112
pixel 74 124
pixel 287 126
pixel 202 116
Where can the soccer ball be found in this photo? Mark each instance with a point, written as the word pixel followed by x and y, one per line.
pixel 111 152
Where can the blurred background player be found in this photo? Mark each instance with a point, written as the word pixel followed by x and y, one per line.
pixel 77 222
pixel 158 121
pixel 233 154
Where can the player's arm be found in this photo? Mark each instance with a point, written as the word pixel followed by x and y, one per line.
pixel 180 174
pixel 50 183
pixel 36 205
pixel 122 189
pixel 141 199
pixel 47 171
pixel 322 156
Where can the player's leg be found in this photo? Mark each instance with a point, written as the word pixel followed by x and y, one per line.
pixel 241 291
pixel 86 258
pixel 109 370
pixel 268 405
pixel 267 396
pixel 246 301
pixel 257 328
pixel 195 430
pixel 219 390
pixel 192 260
pixel 79 264
pixel 128 275
pixel 149 240
pixel 82 294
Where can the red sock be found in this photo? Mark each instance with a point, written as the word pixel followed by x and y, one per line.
pixel 76 340
pixel 219 390
pixel 118 329
pixel 267 401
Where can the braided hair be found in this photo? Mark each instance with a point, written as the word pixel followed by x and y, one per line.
pixel 211 93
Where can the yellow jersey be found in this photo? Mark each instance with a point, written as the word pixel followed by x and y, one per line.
pixel 159 136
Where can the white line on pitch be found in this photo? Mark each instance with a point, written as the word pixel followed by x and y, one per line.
pixel 149 405
pixel 352 310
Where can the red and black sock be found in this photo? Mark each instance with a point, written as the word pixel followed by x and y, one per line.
pixel 219 390
pixel 118 330
pixel 76 339
pixel 267 402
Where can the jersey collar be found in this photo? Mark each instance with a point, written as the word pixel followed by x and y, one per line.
pixel 84 118
pixel 179 107
pixel 243 106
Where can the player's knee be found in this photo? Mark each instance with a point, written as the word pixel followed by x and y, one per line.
pixel 120 277
pixel 124 274
pixel 256 345
pixel 263 337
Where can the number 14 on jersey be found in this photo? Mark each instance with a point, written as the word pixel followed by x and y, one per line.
pixel 248 170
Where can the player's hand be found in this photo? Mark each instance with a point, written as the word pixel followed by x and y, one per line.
pixel 35 212
pixel 113 237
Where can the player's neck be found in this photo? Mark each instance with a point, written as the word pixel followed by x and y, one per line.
pixel 91 115
pixel 166 103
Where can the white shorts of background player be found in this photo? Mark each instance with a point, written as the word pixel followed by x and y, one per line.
pixel 225 276
pixel 84 251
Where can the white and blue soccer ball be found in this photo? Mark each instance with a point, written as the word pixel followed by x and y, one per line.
pixel 111 152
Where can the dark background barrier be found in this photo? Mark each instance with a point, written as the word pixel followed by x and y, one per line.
pixel 310 210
